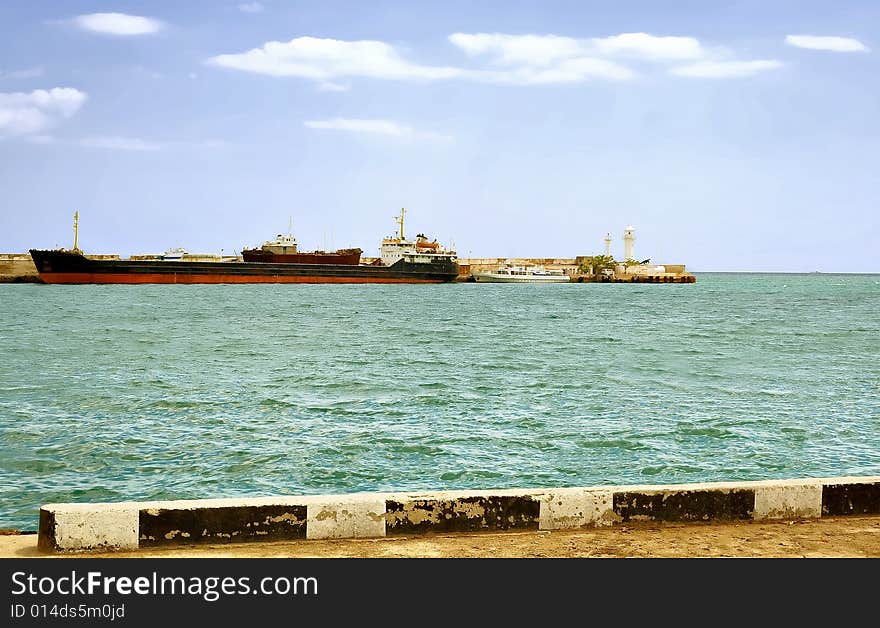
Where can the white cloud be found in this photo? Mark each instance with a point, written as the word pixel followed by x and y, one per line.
pixel 326 59
pixel 726 69
pixel 327 86
pixel 518 49
pixel 511 59
pixel 650 47
pixel 250 7
pixel 32 113
pixel 120 143
pixel 548 49
pixel 22 74
pixel 564 71
pixel 118 24
pixel 540 59
pixel 375 127
pixel 537 59
pixel 834 44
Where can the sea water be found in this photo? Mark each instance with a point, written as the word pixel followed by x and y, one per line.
pixel 111 393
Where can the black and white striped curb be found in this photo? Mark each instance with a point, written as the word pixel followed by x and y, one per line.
pixel 130 525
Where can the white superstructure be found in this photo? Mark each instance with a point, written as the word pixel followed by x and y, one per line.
pixel 418 251
pixel 174 255
pixel 281 245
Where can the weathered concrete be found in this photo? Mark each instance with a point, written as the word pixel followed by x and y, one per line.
pixel 163 526
pixel 566 508
pixel 17 268
pixel 349 517
pixel 88 527
pixel 82 527
pixel 851 496
pixel 792 500
pixel 689 505
pixel 466 513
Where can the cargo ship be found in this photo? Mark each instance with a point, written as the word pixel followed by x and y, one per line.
pixel 401 261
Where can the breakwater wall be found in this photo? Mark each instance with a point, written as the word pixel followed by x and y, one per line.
pixel 635 278
pixel 17 268
pixel 132 525
pixel 571 266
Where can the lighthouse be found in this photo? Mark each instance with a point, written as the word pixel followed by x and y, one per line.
pixel 607 245
pixel 629 237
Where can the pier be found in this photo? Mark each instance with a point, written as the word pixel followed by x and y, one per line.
pixel 80 527
pixel 575 268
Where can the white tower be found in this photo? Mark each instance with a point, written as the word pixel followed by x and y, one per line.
pixel 629 237
pixel 607 245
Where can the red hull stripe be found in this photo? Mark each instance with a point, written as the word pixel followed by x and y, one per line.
pixel 140 278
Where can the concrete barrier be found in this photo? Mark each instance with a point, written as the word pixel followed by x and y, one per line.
pixel 129 525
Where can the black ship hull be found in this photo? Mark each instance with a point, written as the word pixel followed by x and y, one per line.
pixel 68 267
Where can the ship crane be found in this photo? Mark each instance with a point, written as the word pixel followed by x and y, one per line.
pixel 399 221
pixel 76 232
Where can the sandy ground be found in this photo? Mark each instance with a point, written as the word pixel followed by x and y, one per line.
pixel 832 537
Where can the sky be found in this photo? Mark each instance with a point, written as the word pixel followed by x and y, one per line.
pixel 732 135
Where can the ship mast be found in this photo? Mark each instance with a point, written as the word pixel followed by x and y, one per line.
pixel 399 220
pixel 76 232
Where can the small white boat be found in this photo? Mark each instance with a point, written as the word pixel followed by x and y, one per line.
pixel 174 255
pixel 508 273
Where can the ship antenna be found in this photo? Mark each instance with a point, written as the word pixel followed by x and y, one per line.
pixel 400 221
pixel 290 225
pixel 76 232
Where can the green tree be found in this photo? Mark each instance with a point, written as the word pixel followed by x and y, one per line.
pixel 596 264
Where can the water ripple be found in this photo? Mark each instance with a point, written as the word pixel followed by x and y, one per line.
pixel 160 392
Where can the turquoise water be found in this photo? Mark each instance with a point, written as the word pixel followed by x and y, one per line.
pixel 154 392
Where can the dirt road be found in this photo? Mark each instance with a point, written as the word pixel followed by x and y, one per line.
pixel 831 537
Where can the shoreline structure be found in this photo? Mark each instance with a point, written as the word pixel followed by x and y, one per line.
pixel 20 268
pixel 84 527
